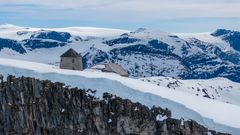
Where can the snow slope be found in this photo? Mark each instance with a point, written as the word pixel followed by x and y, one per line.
pixel 220 89
pixel 208 38
pixel 213 114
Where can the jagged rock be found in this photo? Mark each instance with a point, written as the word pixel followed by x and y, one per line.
pixel 31 106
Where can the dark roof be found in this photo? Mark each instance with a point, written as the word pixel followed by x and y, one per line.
pixel 70 53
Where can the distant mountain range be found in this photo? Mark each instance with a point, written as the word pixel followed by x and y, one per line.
pixel 144 52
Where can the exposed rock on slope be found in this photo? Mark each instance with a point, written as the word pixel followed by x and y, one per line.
pixel 144 52
pixel 11 44
pixel 31 106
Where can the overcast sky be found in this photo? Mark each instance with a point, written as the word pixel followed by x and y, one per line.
pixel 166 15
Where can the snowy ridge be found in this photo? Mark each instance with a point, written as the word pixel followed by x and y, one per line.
pixel 10 31
pixel 206 37
pixel 213 114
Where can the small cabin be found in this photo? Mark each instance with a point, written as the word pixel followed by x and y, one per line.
pixel 71 60
pixel 111 67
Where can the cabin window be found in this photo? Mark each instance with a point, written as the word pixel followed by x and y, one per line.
pixel 72 60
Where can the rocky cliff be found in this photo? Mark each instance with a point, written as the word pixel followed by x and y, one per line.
pixel 31 106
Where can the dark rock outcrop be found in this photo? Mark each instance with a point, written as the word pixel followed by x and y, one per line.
pixel 39 43
pixel 11 44
pixel 122 40
pixel 232 37
pixel 30 106
pixel 58 36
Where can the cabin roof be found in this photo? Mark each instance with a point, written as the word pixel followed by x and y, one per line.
pixel 70 53
pixel 111 67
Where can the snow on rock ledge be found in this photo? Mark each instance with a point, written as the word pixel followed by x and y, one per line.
pixel 213 114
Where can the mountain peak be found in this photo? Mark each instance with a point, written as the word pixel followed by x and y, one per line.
pixel 147 30
pixel 220 32
pixel 140 30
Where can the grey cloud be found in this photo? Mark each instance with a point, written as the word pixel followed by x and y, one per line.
pixel 129 9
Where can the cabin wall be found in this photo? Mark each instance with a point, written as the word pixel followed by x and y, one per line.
pixel 71 63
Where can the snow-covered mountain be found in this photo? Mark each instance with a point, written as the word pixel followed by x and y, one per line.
pixel 213 114
pixel 148 55
pixel 144 52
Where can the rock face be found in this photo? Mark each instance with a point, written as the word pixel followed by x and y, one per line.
pixel 53 35
pixel 30 106
pixel 11 44
pixel 232 37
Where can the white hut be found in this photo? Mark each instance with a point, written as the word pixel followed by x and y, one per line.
pixel 71 60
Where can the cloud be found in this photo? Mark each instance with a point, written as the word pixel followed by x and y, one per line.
pixel 20 5
pixel 121 12
pixel 164 9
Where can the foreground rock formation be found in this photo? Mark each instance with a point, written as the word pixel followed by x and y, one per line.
pixel 29 106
